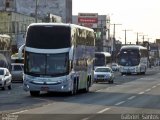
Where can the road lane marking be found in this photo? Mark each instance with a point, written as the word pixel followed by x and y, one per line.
pixel 147 90
pixel 130 98
pixel 154 86
pixel 141 93
pixel 86 118
pixel 19 112
pixel 99 90
pixel 103 110
pixel 102 89
pixel 120 103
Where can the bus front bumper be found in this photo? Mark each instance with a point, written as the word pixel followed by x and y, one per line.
pixel 49 87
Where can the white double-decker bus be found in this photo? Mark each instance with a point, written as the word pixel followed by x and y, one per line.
pixel 133 59
pixel 58 57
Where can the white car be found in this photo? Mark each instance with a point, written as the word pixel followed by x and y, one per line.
pixel 115 67
pixel 104 74
pixel 5 78
pixel 17 72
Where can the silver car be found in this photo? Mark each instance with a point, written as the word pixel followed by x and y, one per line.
pixel 5 78
pixel 17 72
pixel 115 67
pixel 104 74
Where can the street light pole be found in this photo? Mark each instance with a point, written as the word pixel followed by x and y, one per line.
pixel 143 37
pixel 137 38
pixel 36 10
pixel 113 42
pixel 114 35
pixel 126 35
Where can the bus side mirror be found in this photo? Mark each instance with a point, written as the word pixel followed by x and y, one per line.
pixel 20 51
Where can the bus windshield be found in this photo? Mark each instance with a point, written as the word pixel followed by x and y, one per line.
pixel 129 58
pixel 47 64
pixel 48 37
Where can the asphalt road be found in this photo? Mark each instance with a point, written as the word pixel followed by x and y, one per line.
pixel 134 94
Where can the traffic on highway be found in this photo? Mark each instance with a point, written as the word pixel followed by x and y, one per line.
pixel 128 94
pixel 70 60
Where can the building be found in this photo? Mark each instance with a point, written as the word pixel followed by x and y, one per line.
pixel 15 25
pixel 16 15
pixel 40 8
pixel 101 25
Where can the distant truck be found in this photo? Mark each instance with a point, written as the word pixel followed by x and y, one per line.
pixel 5 51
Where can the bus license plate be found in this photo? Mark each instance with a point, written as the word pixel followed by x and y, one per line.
pixel 44 88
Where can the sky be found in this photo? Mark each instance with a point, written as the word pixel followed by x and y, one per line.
pixel 142 16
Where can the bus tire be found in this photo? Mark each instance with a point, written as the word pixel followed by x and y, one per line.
pixel 9 87
pixel 74 90
pixel 87 87
pixel 142 73
pixel 34 93
pixel 110 81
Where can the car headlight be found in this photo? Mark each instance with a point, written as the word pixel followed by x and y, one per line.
pixel 1 79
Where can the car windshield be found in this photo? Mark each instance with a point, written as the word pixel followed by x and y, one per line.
pixel 17 67
pixel 1 72
pixel 114 65
pixel 102 70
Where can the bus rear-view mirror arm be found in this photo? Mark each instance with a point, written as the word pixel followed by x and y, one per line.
pixel 20 51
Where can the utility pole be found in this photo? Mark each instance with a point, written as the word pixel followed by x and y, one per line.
pixel 126 35
pixel 143 37
pixel 114 35
pixel 137 38
pixel 148 47
pixel 149 39
pixel 113 42
pixel 36 10
pixel 114 29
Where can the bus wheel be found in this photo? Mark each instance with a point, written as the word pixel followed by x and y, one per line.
pixel 9 87
pixel 110 81
pixel 74 90
pixel 34 93
pixel 142 73
pixel 3 88
pixel 87 86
